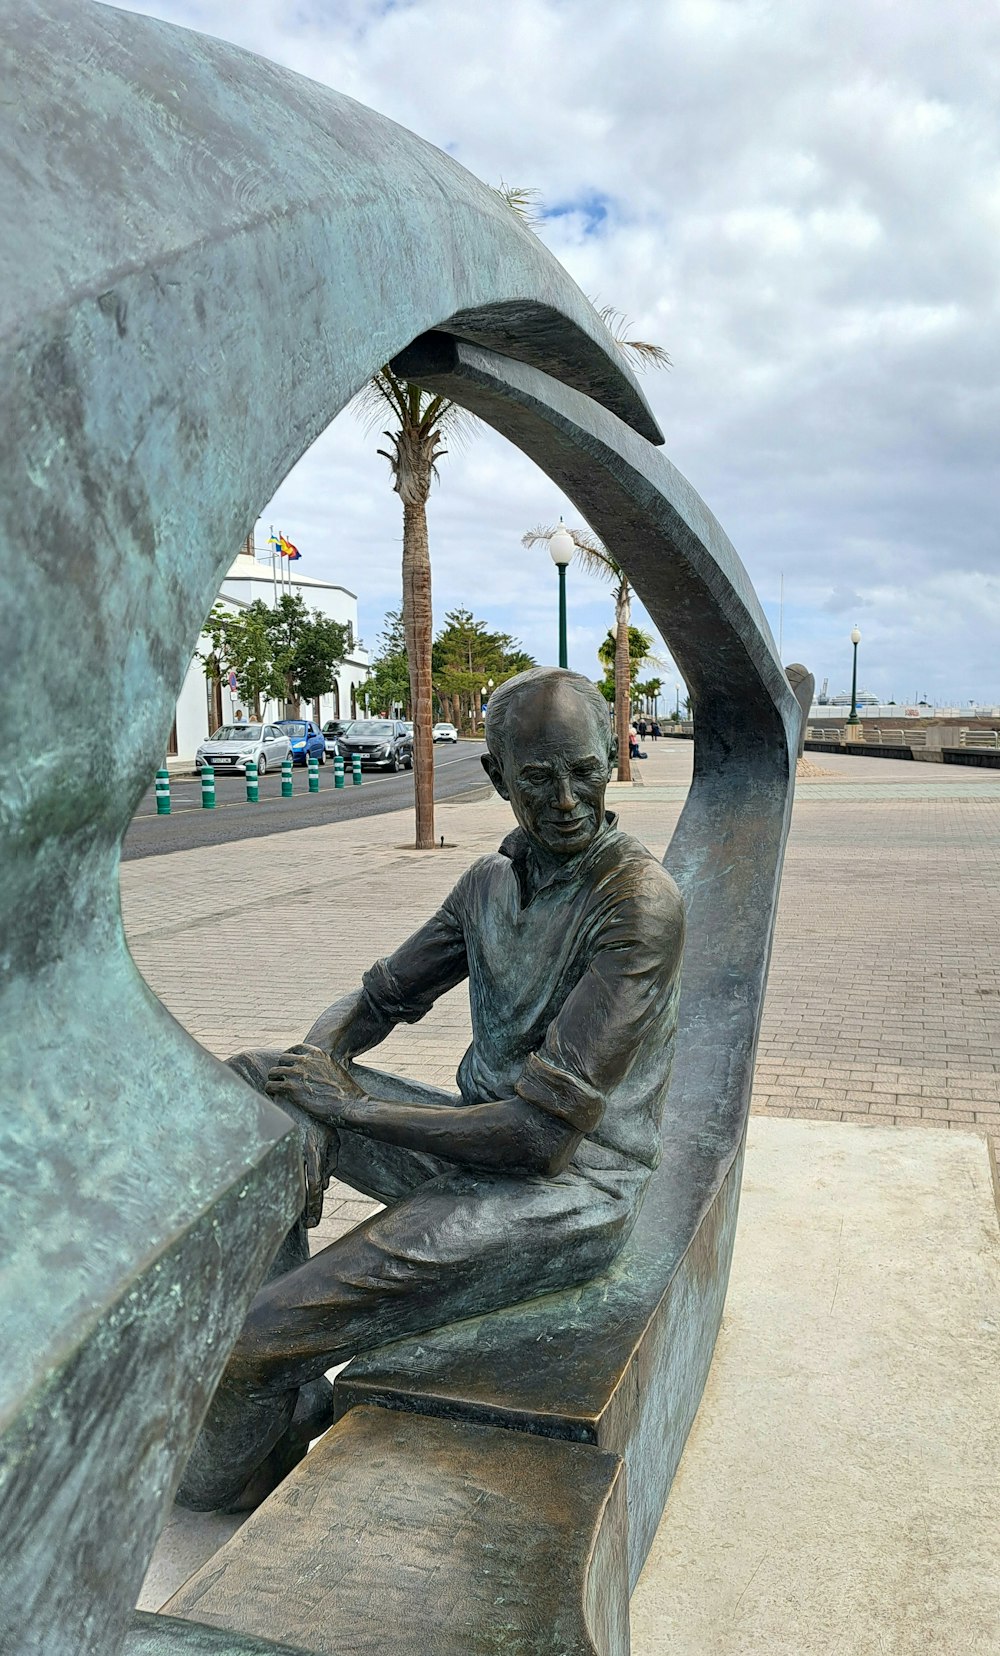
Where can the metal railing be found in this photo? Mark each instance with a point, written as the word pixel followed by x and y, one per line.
pixel 883 736
pixel 979 739
pixel 871 735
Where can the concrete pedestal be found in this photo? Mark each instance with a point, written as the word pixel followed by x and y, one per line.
pixel 838 1492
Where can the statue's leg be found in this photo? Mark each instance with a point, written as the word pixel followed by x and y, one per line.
pixel 249 1441
pixel 461 1245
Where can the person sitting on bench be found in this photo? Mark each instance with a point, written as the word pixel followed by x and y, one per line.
pixel 531 1179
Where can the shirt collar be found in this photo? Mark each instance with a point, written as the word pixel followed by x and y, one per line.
pixel 518 848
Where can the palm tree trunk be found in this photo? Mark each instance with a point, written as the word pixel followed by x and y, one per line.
pixel 623 674
pixel 418 631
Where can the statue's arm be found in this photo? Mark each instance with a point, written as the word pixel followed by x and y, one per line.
pixel 507 1135
pixel 401 989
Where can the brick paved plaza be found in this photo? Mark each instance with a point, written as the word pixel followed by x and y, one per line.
pixel 883 1003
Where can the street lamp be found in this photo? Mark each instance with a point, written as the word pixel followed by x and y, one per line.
pixel 855 640
pixel 677 702
pixel 561 549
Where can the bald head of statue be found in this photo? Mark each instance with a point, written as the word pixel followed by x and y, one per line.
pixel 551 749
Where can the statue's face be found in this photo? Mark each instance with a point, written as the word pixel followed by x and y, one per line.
pixel 555 769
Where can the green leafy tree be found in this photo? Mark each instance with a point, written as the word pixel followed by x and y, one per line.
pixel 388 683
pixel 241 644
pixel 635 646
pixel 307 649
pixel 466 656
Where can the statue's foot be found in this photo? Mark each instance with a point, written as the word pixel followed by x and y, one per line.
pixel 314 1414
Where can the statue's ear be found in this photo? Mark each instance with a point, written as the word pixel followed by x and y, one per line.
pixel 495 774
pixel 613 752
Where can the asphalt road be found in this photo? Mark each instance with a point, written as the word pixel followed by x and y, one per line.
pixel 457 772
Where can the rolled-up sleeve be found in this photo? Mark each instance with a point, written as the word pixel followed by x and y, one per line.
pixel 561 1094
pixel 625 999
pixel 404 986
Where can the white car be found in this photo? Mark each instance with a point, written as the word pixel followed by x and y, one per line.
pixel 229 748
pixel 445 733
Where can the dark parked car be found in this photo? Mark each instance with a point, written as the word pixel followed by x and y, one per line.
pixel 333 730
pixel 382 743
pixel 306 739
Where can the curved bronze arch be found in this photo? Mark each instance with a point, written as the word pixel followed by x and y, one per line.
pixel 206 256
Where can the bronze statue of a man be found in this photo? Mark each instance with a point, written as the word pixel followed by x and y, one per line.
pixel 531 1179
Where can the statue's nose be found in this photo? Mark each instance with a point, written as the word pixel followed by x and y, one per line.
pixel 567 798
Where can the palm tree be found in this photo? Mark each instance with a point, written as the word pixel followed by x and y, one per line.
pixel 421 421
pixel 597 560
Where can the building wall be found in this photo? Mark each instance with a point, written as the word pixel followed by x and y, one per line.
pixel 246 581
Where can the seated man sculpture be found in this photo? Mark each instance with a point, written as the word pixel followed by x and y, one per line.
pixel 531 1179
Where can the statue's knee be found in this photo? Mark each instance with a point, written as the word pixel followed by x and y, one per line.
pixel 253 1067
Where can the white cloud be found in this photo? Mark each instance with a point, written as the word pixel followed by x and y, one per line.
pixel 802 203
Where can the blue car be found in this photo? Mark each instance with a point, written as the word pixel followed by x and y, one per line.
pixel 306 739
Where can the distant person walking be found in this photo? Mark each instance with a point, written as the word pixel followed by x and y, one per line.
pixel 656 732
pixel 643 727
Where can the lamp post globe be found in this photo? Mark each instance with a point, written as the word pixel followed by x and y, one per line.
pixel 561 549
pixel 855 640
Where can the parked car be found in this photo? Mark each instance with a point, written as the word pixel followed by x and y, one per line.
pixel 229 747
pixel 445 733
pixel 306 739
pixel 382 743
pixel 332 732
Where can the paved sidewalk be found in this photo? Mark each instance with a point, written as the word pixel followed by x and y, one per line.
pixel 883 1004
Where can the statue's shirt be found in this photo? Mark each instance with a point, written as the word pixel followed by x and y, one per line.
pixel 573 985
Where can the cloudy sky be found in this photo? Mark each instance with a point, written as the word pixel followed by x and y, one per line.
pixel 801 202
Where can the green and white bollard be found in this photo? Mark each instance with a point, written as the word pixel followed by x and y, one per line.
pixel 286 778
pixel 253 792
pixel 207 788
pixel 313 773
pixel 356 769
pixel 163 793
pixel 338 770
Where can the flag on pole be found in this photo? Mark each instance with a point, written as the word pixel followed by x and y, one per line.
pixel 287 549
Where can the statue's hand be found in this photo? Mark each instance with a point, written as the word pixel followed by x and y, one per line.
pixel 317 1083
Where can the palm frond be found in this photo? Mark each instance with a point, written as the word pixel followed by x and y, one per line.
pixel 638 351
pixel 523 202
pixel 377 394
pixel 592 554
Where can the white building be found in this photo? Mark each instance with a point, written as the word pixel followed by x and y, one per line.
pixel 203 705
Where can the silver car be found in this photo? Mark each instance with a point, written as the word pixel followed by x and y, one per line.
pixel 229 748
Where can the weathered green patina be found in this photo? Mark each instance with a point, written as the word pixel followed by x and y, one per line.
pixel 185 225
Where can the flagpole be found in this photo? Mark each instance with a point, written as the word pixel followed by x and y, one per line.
pixel 274 576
